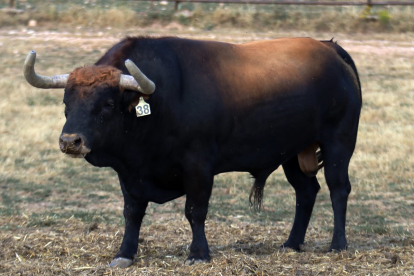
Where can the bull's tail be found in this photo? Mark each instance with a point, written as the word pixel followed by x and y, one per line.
pixel 310 162
pixel 256 193
pixel 311 159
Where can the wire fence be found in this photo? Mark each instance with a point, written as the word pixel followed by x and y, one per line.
pixel 307 3
pixel 12 3
pixel 368 3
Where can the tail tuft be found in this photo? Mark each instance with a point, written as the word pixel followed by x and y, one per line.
pixel 256 197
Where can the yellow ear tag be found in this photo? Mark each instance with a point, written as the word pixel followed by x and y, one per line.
pixel 142 108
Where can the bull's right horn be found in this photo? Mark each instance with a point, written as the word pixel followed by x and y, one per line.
pixel 137 81
pixel 58 81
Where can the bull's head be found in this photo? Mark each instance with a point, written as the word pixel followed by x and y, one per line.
pixel 92 98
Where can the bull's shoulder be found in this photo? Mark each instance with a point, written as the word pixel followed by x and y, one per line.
pixel 130 46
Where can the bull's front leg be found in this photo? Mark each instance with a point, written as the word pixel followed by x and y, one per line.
pixel 134 212
pixel 198 186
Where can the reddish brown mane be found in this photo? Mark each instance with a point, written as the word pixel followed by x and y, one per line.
pixel 95 75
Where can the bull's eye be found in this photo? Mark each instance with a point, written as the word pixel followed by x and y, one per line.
pixel 108 105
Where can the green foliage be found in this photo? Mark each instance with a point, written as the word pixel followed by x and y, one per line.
pixel 184 20
pixel 384 17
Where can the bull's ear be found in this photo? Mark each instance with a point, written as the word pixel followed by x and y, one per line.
pixel 131 99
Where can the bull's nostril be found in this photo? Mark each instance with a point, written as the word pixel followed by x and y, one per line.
pixel 62 143
pixel 77 142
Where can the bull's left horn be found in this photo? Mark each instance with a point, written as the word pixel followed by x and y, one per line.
pixel 137 81
pixel 58 81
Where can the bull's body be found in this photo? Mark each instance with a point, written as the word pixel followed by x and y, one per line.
pixel 218 108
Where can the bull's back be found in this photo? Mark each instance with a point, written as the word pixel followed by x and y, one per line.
pixel 261 70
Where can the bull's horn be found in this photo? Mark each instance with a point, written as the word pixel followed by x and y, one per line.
pixel 58 81
pixel 137 81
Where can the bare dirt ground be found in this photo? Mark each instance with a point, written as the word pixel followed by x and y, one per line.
pixel 62 216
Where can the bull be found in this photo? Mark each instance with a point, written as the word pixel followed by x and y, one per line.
pixel 213 107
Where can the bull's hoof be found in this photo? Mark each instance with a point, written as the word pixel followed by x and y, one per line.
pixel 338 248
pixel 121 262
pixel 338 244
pixel 288 246
pixel 195 261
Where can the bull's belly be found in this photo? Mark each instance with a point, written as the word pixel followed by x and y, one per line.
pixel 269 137
pixel 261 154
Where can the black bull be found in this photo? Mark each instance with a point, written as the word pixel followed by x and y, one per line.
pixel 217 108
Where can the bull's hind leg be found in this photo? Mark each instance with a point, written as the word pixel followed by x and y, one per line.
pixel 306 189
pixel 336 159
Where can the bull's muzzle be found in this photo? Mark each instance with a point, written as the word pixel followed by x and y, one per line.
pixel 73 145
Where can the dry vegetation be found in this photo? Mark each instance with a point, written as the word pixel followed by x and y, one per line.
pixel 115 13
pixel 62 216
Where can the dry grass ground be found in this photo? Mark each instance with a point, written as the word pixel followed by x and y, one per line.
pixel 62 216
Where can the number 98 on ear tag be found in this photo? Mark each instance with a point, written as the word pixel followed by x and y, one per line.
pixel 142 108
